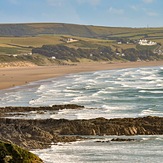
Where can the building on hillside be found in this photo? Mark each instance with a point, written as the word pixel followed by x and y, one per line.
pixel 119 42
pixel 69 40
pixel 146 42
pixel 53 57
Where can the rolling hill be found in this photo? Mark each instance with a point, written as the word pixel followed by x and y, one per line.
pixel 18 41
pixel 36 29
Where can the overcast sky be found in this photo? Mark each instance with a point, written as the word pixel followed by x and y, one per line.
pixel 122 13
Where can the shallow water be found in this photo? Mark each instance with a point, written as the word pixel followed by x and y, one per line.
pixel 144 149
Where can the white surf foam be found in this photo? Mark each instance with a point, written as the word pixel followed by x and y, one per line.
pixel 150 112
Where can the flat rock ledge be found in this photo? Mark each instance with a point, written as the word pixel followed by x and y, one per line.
pixel 11 109
pixel 116 140
pixel 34 134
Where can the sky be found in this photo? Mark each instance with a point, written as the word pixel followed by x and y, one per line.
pixel 114 13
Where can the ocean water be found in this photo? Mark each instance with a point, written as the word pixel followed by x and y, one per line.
pixel 145 149
pixel 134 92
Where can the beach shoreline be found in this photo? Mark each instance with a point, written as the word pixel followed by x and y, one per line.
pixel 17 76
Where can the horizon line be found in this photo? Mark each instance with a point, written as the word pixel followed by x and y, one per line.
pixel 19 23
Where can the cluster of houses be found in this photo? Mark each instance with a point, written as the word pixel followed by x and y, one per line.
pixel 15 55
pixel 146 42
pixel 143 42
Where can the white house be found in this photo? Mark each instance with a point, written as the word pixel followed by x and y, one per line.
pixel 69 40
pixel 53 57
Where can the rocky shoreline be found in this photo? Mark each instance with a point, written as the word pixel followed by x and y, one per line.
pixel 41 133
pixel 10 110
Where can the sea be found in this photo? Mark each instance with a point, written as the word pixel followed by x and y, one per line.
pixel 131 92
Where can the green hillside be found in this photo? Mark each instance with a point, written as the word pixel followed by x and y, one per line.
pixel 76 30
pixel 18 41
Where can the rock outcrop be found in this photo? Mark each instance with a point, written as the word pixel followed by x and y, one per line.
pixel 41 108
pixel 116 140
pixel 41 133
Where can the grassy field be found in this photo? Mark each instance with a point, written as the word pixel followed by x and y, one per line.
pixel 38 34
pixel 20 45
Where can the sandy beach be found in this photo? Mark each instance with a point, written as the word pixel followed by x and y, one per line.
pixel 10 77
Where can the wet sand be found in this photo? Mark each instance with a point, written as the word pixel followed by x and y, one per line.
pixel 10 77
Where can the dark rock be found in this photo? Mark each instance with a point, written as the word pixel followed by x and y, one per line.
pixel 41 133
pixel 41 108
pixel 122 139
pixel 107 141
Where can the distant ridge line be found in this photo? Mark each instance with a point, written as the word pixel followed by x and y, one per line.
pixel 91 31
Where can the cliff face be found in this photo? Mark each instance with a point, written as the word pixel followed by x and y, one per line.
pixel 41 133
pixel 14 154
